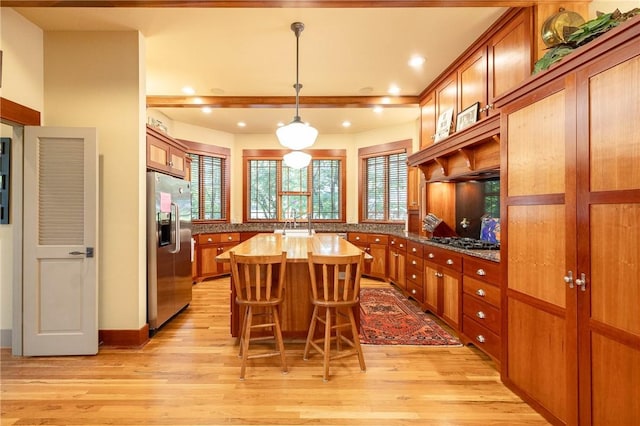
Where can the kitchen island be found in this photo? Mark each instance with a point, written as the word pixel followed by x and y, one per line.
pixel 297 308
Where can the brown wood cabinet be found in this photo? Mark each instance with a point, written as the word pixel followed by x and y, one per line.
pixel 428 120
pixel 572 253
pixel 166 154
pixel 481 313
pixel 397 261
pixel 442 283
pixel 210 245
pixel 415 270
pixel 377 246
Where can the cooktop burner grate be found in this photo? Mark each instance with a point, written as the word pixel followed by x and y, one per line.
pixel 466 243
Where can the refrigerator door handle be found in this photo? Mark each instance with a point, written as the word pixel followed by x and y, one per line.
pixel 177 229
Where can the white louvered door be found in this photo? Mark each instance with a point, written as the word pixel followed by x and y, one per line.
pixel 60 299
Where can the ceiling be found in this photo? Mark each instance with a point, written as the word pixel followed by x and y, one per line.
pixel 246 59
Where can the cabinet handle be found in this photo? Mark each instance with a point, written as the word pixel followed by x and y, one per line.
pixel 393 243
pixel 401 245
pixel 481 315
pixel 449 262
pixel 170 163
pixel 433 136
pixel 357 238
pixel 481 272
pixel 480 292
pixel 413 291
pixel 229 238
pixel 413 276
pixel 414 249
pixel 396 254
pixel 431 255
pixel 209 240
pixel 486 108
pixel 377 240
pixel 413 262
pixel 569 279
pixel 582 282
pixel 480 338
pixel 439 274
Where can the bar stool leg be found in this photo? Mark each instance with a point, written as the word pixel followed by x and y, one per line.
pixel 278 337
pixel 245 341
pixel 327 343
pixel 356 339
pixel 312 331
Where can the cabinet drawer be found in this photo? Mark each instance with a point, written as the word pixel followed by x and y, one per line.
pixel 485 291
pixel 414 248
pixel 446 258
pixel 414 262
pixel 415 290
pixel 208 238
pixel 414 275
pixel 211 238
pixel 481 312
pixel 399 244
pixel 232 237
pixel 481 337
pixel 482 270
pixel 357 237
pixel 378 239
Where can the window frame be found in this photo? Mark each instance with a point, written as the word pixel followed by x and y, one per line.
pixel 386 149
pixel 276 155
pixel 218 152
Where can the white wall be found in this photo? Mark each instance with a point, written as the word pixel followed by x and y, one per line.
pixel 22 82
pixel 96 79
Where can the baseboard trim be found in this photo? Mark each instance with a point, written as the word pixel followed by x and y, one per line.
pixel 125 338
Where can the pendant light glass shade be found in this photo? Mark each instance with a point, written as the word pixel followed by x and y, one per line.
pixel 297 135
pixel 297 159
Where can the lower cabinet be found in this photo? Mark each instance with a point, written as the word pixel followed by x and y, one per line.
pixel 442 284
pixel 481 313
pixel 415 265
pixel 377 246
pixel 209 246
pixel 397 262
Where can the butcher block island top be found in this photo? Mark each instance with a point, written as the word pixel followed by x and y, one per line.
pixel 297 246
pixel 297 308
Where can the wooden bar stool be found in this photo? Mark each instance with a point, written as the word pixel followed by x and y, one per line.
pixel 335 294
pixel 259 284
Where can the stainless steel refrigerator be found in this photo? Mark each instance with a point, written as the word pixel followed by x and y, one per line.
pixel 168 248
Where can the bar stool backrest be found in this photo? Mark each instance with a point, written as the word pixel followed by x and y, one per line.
pixel 258 279
pixel 339 277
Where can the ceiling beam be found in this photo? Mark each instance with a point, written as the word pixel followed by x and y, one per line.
pixel 280 101
pixel 273 3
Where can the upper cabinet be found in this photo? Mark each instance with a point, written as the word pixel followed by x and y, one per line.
pixel 165 154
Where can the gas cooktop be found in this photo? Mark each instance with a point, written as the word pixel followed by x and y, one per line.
pixel 466 243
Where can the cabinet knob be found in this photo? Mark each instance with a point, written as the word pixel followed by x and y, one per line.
pixel 480 338
pixel 449 261
pixel 413 291
pixel 413 276
pixel 171 163
pixel 209 240
pixel 401 245
pixel 481 315
pixel 229 238
pixel 393 243
pixel 357 238
pixel 414 249
pixel 431 255
pixel 377 240
pixel 481 272
pixel 413 262
pixel 480 292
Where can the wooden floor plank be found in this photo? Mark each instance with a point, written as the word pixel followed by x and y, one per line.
pixel 188 375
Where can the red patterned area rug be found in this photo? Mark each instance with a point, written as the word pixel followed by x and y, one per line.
pixel 388 318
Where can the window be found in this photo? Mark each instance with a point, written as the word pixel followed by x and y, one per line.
pixel 383 188
pixel 209 182
pixel 276 192
pixel 492 197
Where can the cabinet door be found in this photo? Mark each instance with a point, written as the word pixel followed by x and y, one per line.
pixel 472 80
pixel 158 154
pixel 431 280
pixel 609 240
pixel 413 188
pixel 428 120
pixel 447 98
pixel 207 265
pixel 512 45
pixel 451 298
pixel 379 262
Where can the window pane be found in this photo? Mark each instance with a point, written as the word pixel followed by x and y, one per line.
pixel 492 198
pixel 294 180
pixel 262 189
pixel 326 189
pixel 398 186
pixel 375 188
pixel 195 186
pixel 212 176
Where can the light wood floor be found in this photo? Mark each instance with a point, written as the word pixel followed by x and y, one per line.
pixel 188 375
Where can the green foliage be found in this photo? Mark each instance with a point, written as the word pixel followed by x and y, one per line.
pixel 588 31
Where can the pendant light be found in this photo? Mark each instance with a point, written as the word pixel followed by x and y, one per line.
pixel 297 159
pixel 297 135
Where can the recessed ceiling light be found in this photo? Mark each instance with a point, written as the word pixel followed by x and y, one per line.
pixel 242 124
pixel 394 90
pixel 416 61
pixel 198 101
pixel 188 90
pixel 385 100
pixel 378 109
pixel 207 110
pixel 346 123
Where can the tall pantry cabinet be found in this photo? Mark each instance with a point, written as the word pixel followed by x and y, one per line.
pixel 571 234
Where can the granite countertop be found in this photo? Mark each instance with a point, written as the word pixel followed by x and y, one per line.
pixel 392 230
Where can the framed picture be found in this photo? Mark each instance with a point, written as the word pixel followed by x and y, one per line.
pixel 467 117
pixel 443 127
